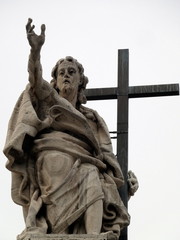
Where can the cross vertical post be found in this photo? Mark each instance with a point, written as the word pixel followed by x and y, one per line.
pixel 122 123
pixel 122 93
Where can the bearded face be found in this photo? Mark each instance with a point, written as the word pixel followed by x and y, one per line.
pixel 68 80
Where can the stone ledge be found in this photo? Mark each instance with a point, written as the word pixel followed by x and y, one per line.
pixel 104 236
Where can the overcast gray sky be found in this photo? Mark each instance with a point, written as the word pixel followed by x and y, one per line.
pixel 92 31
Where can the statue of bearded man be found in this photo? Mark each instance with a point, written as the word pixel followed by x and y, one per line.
pixel 64 173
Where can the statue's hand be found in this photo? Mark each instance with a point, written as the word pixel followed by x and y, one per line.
pixel 35 41
pixel 133 184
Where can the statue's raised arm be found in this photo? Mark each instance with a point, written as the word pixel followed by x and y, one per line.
pixel 64 172
pixel 34 64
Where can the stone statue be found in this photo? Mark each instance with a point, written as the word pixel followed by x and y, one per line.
pixel 64 174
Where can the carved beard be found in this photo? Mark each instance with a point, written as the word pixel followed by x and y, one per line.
pixel 66 90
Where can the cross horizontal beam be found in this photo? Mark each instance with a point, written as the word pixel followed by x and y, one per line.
pixel 134 92
pixel 122 93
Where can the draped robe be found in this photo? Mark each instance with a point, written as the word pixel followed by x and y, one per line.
pixel 62 162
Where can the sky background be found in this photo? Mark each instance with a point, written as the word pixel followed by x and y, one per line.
pixel 92 31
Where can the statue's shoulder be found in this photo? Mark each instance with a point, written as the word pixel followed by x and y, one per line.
pixel 93 115
pixel 89 113
pixel 43 92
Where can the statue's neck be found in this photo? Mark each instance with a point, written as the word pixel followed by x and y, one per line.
pixel 72 98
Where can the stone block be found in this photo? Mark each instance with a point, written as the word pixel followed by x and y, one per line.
pixel 103 236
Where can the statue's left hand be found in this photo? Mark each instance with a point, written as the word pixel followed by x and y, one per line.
pixel 35 41
pixel 133 184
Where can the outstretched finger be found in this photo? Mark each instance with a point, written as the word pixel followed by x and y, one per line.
pixel 28 25
pixel 31 29
pixel 43 28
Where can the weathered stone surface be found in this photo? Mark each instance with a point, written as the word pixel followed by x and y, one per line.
pixel 105 236
pixel 64 173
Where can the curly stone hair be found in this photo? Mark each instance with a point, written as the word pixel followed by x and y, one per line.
pixel 81 98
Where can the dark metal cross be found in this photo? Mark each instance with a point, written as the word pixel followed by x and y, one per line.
pixel 122 93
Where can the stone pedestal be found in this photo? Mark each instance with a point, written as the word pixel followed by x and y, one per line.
pixel 103 236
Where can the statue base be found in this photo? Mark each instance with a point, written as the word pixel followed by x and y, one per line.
pixel 102 236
